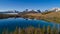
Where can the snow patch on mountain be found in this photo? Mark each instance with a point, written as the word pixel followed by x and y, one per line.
pixel 54 9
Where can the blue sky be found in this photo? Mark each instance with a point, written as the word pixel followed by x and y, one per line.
pixel 21 5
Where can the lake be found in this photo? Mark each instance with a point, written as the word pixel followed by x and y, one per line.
pixel 11 23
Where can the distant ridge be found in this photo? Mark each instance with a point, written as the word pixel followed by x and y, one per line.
pixel 54 9
pixel 11 11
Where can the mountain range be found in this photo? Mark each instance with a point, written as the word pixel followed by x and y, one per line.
pixel 15 11
pixel 54 9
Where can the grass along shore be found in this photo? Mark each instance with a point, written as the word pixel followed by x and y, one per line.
pixel 47 16
pixel 32 30
pixel 51 17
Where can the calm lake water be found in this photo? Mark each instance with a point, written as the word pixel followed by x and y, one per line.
pixel 11 23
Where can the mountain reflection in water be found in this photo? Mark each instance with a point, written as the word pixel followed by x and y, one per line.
pixel 11 23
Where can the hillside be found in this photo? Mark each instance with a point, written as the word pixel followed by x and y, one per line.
pixel 51 17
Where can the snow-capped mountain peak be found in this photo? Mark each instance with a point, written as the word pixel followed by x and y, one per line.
pixel 54 9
